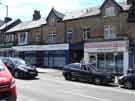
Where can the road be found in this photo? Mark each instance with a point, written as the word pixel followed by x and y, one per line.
pixel 48 87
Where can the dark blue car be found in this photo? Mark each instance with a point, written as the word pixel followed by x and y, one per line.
pixel 88 72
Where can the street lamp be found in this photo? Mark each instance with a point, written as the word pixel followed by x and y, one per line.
pixel 5 20
pixel 6 8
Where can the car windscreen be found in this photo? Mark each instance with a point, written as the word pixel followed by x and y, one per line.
pixel 1 66
pixel 19 62
pixel 73 66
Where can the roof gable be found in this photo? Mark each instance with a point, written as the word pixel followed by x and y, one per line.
pixel 56 13
pixel 113 1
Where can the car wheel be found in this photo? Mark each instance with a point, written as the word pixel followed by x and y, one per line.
pixel 68 77
pixel 128 85
pixel 16 74
pixel 97 81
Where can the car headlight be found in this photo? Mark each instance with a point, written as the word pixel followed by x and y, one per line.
pixel 121 77
pixel 12 84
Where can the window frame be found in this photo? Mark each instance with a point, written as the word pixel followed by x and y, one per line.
pixel 110 11
pixel 21 41
pixel 109 32
pixel 86 33
pixel 52 37
pixel 69 34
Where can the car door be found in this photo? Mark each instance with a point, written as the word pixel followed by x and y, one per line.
pixel 75 70
pixel 90 72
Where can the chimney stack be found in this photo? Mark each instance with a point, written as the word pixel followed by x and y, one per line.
pixel 36 15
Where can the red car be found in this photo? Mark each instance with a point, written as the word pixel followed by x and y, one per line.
pixel 7 84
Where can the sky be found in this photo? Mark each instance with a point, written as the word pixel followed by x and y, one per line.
pixel 24 9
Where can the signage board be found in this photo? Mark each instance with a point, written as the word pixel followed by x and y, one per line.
pixel 42 47
pixel 111 46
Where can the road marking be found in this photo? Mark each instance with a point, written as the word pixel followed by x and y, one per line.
pixel 86 96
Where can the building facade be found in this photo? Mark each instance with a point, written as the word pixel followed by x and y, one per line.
pixel 101 35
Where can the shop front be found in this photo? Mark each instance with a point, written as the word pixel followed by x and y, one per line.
pixel 108 56
pixel 56 55
pixel 32 54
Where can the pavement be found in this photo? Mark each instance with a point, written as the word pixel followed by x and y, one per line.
pixel 49 71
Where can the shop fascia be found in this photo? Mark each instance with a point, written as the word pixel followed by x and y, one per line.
pixel 42 47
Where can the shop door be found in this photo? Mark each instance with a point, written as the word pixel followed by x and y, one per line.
pixel 50 61
pixel 93 59
pixel 119 63
pixel 59 61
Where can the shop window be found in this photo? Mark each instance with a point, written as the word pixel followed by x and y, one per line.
pixel 23 38
pixel 109 32
pixel 86 33
pixel 69 35
pixel 110 11
pixel 52 37
pixel 101 61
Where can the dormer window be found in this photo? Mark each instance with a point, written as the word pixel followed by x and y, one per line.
pixel 110 11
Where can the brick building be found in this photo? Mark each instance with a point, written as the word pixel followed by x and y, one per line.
pixel 101 35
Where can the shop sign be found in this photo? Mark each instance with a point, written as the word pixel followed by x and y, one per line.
pixel 42 47
pixel 112 46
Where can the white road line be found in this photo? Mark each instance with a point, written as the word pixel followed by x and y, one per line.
pixel 86 96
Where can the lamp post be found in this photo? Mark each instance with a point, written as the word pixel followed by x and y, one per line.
pixel 6 9
pixel 5 20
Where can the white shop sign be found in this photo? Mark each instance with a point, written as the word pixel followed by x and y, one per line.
pixel 42 47
pixel 112 46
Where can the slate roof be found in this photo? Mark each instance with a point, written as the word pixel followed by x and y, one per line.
pixel 7 24
pixel 82 13
pixel 28 25
pixel 58 14
pixel 91 11
pixel 1 22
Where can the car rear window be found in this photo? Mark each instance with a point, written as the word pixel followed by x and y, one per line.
pixel 1 66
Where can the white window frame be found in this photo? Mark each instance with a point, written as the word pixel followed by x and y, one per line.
pixel 51 37
pixel 110 11
pixel 86 33
pixel 69 33
pixel 108 32
pixel 25 41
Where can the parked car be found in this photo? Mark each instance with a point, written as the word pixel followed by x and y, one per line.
pixel 128 80
pixel 87 72
pixel 19 68
pixel 7 84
